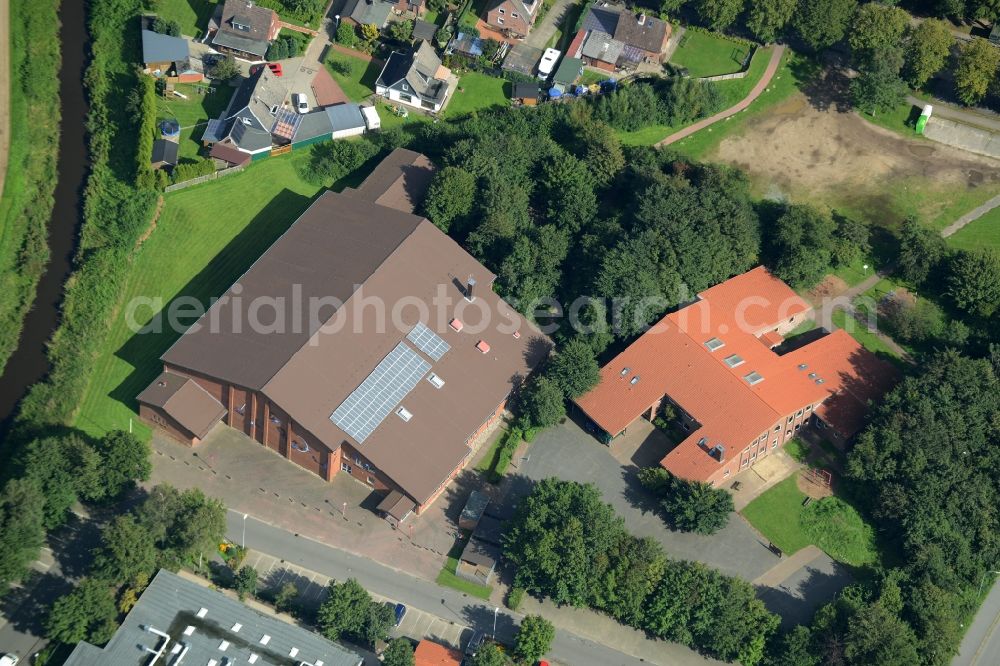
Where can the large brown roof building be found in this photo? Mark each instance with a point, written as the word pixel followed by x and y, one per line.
pixel 740 391
pixel 391 379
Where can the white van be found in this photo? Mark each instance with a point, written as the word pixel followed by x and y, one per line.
pixel 548 63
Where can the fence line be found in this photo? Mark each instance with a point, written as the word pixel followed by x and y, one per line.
pixel 202 179
pixel 744 70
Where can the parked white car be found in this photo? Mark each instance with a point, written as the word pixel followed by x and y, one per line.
pixel 9 660
pixel 300 102
pixel 548 63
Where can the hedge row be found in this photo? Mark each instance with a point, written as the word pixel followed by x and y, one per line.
pixel 145 133
pixel 31 169
pixel 504 454
pixel 115 212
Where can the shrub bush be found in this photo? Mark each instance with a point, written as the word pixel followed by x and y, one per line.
pixel 514 597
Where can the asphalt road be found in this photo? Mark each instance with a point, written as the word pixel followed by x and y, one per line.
pixel 448 604
pixel 981 645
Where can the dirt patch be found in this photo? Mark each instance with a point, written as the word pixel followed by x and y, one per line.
pixel 811 487
pixel 840 159
pixel 831 287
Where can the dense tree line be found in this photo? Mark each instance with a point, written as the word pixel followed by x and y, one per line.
pixel 168 529
pixel 926 470
pixel 568 545
pixel 49 475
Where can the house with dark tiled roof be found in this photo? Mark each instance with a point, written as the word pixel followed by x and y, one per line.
pixel 740 390
pixel 398 402
pixel 368 12
pixel 416 79
pixel 513 18
pixel 244 29
pixel 257 116
pixel 612 37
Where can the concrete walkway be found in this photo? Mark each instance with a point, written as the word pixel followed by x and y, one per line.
pixel 788 566
pixel 541 34
pixel 972 117
pixel 772 67
pixel 971 216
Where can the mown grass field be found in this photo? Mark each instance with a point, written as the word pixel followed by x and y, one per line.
pixel 477 92
pixel 192 15
pixel 193 113
pixel 205 238
pixel 709 54
pixel 981 233
pixel 831 524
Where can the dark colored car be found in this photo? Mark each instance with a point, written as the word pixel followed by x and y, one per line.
pixel 474 643
pixel 400 613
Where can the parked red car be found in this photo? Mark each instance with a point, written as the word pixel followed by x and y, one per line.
pixel 275 68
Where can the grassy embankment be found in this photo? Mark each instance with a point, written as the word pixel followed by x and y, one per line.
pixel 27 202
pixel 119 202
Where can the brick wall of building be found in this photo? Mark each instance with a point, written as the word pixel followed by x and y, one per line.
pixel 157 418
pixel 507 17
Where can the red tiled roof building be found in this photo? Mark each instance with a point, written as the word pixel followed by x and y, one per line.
pixel 740 391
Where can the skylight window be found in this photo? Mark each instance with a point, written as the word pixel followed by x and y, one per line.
pixel 404 413
pixel 435 380
pixel 635 380
pixel 753 378
pixel 734 360
pixel 625 371
pixel 714 344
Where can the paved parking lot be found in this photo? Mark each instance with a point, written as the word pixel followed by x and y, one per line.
pixel 568 452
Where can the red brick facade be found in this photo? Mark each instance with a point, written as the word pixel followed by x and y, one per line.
pixel 507 17
pixel 255 415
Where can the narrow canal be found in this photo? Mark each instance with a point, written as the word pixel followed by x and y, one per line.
pixel 29 364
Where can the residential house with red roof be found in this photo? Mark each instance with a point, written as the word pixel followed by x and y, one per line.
pixel 739 388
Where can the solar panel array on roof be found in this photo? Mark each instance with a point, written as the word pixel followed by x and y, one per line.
pixel 391 380
pixel 285 123
pixel 428 341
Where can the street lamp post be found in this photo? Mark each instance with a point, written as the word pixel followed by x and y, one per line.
pixel 983 580
pixel 496 610
pixel 243 541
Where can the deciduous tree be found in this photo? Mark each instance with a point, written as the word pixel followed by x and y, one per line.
pixel 398 653
pixel 927 52
pixel 126 460
pixel 974 281
pixel 543 403
pixel 877 28
pixel 86 614
pixel 450 197
pixel 345 610
pixel 127 551
pixel 767 18
pixel 977 68
pixel 245 582
pixel 534 638
pixel 920 250
pixel 21 529
pixel 801 245
pixel 823 24
pixel 574 368
pixel 719 14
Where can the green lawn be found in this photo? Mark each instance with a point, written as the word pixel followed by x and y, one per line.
pixel 732 92
pixel 984 232
pixel 901 119
pixel 194 112
pixel 477 92
pixel 830 523
pixel 449 578
pixel 859 332
pixel 709 54
pixel 192 15
pixel 205 238
pixel 356 77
